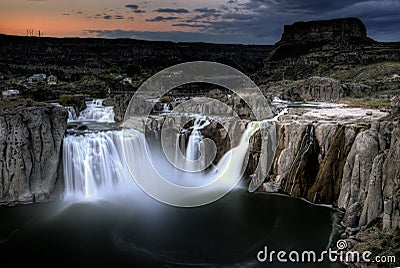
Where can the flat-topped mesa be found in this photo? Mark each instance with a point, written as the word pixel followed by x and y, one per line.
pixel 321 48
pixel 323 30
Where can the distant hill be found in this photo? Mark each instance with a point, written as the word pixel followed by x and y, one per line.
pixel 79 56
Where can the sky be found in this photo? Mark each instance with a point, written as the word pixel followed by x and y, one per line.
pixel 217 21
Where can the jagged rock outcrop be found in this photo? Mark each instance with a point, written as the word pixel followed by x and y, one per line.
pixel 370 181
pixel 30 145
pixel 360 164
pixel 391 183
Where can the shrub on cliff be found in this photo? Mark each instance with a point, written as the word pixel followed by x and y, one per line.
pixel 166 99
pixel 10 104
pixel 77 101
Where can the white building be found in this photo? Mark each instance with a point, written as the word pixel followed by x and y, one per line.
pixel 11 92
pixel 127 80
pixel 37 78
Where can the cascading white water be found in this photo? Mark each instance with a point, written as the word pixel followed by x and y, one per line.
pixel 195 147
pixel 165 109
pixel 71 113
pixel 95 164
pixel 95 111
pixel 98 163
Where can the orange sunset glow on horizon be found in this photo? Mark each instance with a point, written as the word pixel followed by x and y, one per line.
pixel 235 21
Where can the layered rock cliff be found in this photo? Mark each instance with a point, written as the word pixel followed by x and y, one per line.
pixel 30 144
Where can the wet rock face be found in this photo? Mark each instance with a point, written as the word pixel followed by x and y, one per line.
pixel 30 145
pixel 310 158
pixel 395 106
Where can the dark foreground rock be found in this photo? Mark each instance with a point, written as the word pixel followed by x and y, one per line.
pixel 30 145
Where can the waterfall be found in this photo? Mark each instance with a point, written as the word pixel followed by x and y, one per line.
pixel 195 147
pixel 96 164
pixel 71 113
pixel 165 110
pixel 95 111
pixel 306 143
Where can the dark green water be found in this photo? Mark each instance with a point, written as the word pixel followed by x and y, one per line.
pixel 145 233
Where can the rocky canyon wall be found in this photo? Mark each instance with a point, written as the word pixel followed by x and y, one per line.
pixel 30 145
pixel 355 167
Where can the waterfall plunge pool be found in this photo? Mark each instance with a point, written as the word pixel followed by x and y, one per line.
pixel 141 232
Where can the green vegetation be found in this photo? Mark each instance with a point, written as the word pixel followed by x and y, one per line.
pixel 114 70
pixel 72 100
pixel 10 104
pixel 166 99
pixel 375 71
pixel 383 244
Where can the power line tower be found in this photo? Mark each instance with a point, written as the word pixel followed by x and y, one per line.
pixel 29 32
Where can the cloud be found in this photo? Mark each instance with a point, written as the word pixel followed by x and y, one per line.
pixel 262 21
pixel 205 10
pixel 189 25
pixel 109 17
pixel 161 18
pixel 303 7
pixel 380 17
pixel 134 8
pixel 265 18
pixel 171 10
